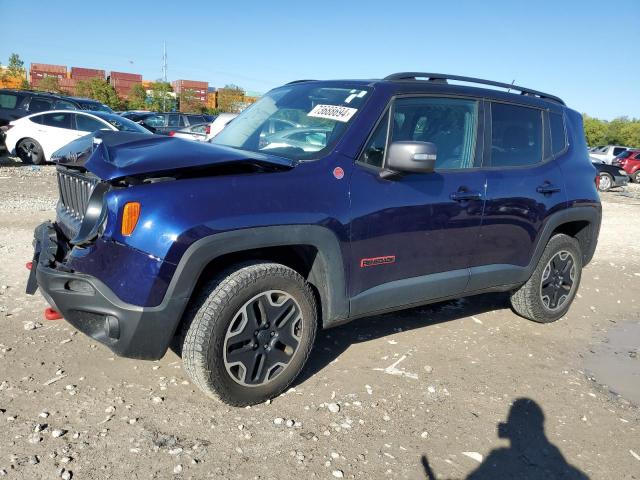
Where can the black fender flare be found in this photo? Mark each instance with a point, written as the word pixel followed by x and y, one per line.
pixel 327 272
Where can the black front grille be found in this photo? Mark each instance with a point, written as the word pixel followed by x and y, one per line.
pixel 75 190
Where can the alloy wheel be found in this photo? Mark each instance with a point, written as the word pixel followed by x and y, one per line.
pixel 605 182
pixel 262 338
pixel 558 280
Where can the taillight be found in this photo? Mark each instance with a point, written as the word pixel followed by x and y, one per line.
pixel 171 134
pixel 130 215
pixel 598 182
pixel 207 129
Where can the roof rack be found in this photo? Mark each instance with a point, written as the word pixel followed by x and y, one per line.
pixel 442 78
pixel 300 81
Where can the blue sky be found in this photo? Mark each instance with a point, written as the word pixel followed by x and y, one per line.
pixel 587 52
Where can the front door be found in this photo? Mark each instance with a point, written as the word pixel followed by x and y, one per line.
pixel 413 236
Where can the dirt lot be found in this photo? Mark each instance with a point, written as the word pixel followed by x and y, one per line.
pixel 462 389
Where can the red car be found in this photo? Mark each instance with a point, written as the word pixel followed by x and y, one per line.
pixel 630 162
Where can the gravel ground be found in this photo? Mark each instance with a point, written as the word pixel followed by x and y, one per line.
pixel 462 389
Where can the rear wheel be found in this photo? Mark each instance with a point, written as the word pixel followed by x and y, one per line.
pixel 249 333
pixel 548 294
pixel 636 177
pixel 606 182
pixel 30 151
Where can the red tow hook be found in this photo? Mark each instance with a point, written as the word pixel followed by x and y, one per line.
pixel 51 314
pixel 29 265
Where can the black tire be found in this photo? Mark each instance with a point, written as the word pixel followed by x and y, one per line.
pixel 529 301
pixel 217 314
pixel 606 182
pixel 636 177
pixel 30 151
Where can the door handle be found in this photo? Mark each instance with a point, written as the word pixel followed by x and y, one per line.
pixel 547 189
pixel 465 195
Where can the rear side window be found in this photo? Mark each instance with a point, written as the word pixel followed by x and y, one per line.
pixel 64 105
pixel 558 135
pixel 516 135
pixel 39 104
pixel 85 123
pixel 194 119
pixel 174 121
pixel 58 120
pixel 618 151
pixel 8 100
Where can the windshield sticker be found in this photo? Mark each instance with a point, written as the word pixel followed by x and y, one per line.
pixel 333 112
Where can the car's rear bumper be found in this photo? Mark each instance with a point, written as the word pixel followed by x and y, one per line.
pixel 91 307
pixel 620 180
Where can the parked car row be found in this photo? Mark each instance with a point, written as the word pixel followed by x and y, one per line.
pixel 607 153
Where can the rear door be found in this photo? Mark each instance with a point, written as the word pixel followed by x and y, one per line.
pixel 413 236
pixel 524 187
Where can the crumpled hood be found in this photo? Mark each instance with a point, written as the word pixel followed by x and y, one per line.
pixel 124 154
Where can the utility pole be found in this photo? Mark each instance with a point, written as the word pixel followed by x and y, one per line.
pixel 164 75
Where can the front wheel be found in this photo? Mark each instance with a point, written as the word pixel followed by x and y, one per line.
pixel 548 294
pixel 249 333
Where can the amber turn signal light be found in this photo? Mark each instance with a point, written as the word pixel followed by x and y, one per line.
pixel 130 215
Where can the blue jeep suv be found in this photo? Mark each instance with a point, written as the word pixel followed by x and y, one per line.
pixel 384 194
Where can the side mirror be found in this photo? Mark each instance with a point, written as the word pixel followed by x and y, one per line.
pixel 408 156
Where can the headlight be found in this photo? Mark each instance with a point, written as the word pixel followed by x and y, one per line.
pixel 94 217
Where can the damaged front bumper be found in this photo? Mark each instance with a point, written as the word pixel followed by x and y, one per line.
pixel 93 308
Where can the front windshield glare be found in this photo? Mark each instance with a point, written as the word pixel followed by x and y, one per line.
pixel 295 121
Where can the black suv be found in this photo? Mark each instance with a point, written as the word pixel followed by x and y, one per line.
pixel 16 104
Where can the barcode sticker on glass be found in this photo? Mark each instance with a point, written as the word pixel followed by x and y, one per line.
pixel 333 112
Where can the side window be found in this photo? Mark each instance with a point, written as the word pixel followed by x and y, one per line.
pixel 154 121
pixel 516 135
pixel 373 153
pixel 39 104
pixel 8 100
pixel 58 120
pixel 199 129
pixel 174 120
pixel 618 151
pixel 449 123
pixel 85 123
pixel 637 157
pixel 64 105
pixel 37 119
pixel 558 135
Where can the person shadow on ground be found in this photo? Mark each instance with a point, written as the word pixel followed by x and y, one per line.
pixel 530 456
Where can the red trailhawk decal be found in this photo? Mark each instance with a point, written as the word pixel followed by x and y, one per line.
pixel 373 262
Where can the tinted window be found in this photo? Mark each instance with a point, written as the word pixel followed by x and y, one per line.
pixel 558 136
pixel 617 151
pixel 64 105
pixel 516 135
pixel 193 119
pixel 199 128
pixel 174 120
pixel 637 157
pixel 39 104
pixel 88 124
pixel 373 153
pixel 59 120
pixel 8 100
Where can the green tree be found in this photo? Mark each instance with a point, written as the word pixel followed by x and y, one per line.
pixel 15 65
pixel 595 130
pixel 230 97
pixel 161 98
pixel 49 84
pixel 137 98
pixel 100 90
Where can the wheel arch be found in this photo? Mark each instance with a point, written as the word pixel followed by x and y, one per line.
pixel 311 250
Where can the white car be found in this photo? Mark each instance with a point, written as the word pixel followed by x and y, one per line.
pixel 35 137
pixel 204 132
pixel 607 153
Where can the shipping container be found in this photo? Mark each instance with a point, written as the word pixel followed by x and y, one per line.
pixel 44 67
pixel 40 74
pixel 198 86
pixel 126 76
pixel 84 73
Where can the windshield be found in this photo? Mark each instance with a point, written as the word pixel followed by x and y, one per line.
pixel 300 121
pixel 121 123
